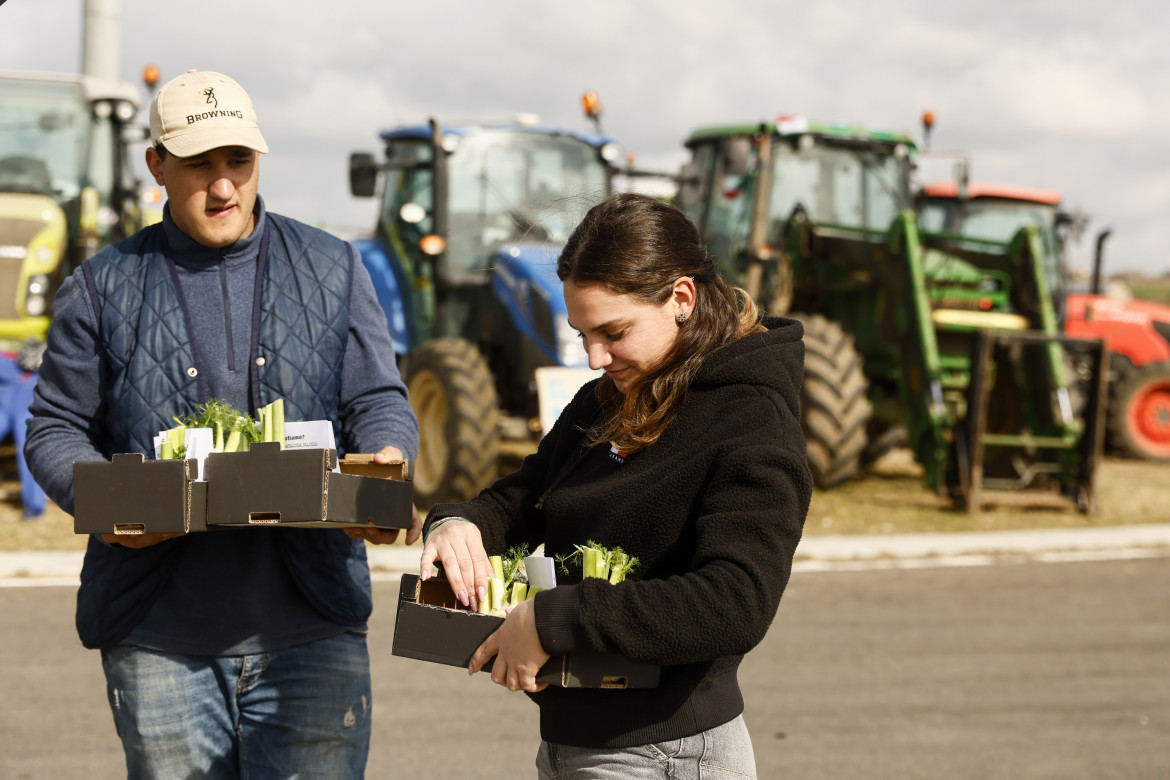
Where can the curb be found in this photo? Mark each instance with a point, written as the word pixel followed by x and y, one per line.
pixel 815 553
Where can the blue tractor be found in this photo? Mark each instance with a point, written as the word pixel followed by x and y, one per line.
pixel 472 219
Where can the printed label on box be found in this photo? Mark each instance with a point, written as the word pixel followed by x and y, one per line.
pixel 310 434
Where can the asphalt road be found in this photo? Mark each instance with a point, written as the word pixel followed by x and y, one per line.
pixel 1016 670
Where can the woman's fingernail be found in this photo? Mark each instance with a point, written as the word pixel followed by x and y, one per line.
pixel 463 597
pixel 482 591
pixel 425 573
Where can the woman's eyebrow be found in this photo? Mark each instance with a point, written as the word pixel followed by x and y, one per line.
pixel 617 323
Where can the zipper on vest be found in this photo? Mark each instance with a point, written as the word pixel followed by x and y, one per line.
pixel 227 313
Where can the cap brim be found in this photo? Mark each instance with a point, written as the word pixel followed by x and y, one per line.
pixel 207 138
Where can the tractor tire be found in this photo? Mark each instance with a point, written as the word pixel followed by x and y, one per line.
pixel 454 397
pixel 834 407
pixel 1139 413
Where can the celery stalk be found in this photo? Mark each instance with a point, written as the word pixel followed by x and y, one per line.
pixel 518 593
pixel 496 595
pixel 278 421
pixel 593 563
pixel 233 440
pixel 497 562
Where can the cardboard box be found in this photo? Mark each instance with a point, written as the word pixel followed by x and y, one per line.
pixel 298 487
pixel 431 626
pixel 130 495
pixel 363 465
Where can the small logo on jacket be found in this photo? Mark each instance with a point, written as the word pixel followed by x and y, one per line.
pixel 616 455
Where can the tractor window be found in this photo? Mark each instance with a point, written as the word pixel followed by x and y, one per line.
pixel 997 219
pixel 42 137
pixel 729 218
pixel 516 186
pixel 837 185
pixel 407 184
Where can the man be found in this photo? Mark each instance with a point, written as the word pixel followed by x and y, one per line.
pixel 226 653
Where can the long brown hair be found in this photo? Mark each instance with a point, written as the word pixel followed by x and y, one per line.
pixel 636 245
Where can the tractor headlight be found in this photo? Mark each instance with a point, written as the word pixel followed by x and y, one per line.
pixel 38 285
pixel 36 296
pixel 611 152
pixel 569 349
pixel 125 110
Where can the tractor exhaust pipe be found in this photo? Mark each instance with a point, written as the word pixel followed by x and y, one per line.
pixel 1097 259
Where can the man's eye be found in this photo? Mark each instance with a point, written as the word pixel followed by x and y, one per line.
pixel 615 336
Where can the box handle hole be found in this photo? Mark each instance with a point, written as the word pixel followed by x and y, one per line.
pixel 129 529
pixel 264 518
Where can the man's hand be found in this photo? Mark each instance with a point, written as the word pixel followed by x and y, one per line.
pixel 383 535
pixel 389 535
pixel 137 541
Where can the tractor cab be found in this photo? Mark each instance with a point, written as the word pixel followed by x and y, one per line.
pixel 996 212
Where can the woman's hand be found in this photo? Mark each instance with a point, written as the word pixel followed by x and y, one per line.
pixel 516 646
pixel 457 545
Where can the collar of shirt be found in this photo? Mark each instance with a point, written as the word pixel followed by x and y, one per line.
pixel 189 253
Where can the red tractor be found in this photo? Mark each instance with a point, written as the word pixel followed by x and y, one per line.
pixel 1137 333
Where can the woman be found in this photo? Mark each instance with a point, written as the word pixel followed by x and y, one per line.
pixel 687 454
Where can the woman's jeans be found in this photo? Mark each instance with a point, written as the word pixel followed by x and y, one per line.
pixel 300 712
pixel 722 752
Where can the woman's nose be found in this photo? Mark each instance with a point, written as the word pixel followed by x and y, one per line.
pixel 599 356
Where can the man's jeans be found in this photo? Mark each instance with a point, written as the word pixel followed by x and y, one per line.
pixel 722 752
pixel 302 712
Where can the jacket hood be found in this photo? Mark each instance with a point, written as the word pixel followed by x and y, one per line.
pixel 773 359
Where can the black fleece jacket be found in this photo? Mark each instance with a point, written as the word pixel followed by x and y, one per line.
pixel 713 511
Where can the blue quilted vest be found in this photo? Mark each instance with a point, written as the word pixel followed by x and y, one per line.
pixel 300 324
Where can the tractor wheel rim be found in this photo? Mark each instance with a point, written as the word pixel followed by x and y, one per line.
pixel 1150 418
pixel 430 407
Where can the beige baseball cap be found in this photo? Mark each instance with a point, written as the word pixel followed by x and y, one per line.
pixel 202 110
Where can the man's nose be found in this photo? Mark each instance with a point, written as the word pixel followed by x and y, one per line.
pixel 222 188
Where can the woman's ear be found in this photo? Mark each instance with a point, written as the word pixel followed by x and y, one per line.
pixel 683 295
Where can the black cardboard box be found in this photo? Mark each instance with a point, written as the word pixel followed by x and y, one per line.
pixel 265 486
pixel 431 626
pixel 271 486
pixel 130 495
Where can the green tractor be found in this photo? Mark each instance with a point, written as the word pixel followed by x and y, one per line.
pixel 947 344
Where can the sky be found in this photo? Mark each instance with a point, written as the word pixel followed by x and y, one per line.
pixel 1038 93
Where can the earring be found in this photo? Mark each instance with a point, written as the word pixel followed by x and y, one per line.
pixel 682 316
